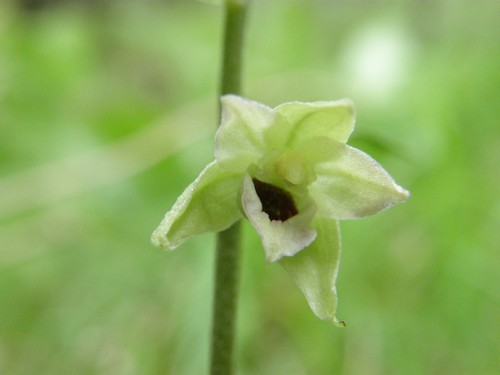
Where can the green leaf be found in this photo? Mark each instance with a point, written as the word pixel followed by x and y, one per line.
pixel 353 185
pixel 314 269
pixel 210 203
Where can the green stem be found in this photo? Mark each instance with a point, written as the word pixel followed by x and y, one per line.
pixel 225 300
pixel 227 261
pixel 233 46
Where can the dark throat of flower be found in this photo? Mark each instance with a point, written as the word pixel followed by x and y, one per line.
pixel 276 202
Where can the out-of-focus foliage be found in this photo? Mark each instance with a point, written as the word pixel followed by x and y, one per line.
pixel 107 111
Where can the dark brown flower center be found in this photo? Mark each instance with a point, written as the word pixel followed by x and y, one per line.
pixel 276 202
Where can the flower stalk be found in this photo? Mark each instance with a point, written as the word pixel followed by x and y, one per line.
pixel 235 14
pixel 228 248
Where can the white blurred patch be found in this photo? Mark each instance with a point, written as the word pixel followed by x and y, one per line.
pixel 375 61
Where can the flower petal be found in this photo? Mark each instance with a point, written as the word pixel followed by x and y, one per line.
pixel 314 269
pixel 331 119
pixel 353 185
pixel 239 141
pixel 279 238
pixel 210 203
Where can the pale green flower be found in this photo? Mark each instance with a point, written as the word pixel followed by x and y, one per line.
pixel 289 171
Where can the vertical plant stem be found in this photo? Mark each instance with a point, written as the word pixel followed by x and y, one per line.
pixel 227 264
pixel 228 249
pixel 235 13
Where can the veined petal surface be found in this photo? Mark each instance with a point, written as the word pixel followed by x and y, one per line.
pixel 314 269
pixel 303 121
pixel 239 141
pixel 353 185
pixel 209 204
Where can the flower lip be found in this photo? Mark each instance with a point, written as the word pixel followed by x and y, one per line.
pixel 277 203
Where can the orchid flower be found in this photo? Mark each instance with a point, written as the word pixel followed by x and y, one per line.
pixel 289 171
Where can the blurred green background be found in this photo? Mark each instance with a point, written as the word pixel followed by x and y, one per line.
pixel 108 110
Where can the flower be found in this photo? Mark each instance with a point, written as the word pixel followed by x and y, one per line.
pixel 289 171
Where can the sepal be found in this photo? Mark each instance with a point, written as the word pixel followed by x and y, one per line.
pixel 315 268
pixel 353 185
pixel 239 140
pixel 209 204
pixel 303 121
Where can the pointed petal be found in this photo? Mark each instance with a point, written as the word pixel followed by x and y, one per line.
pixel 239 141
pixel 210 203
pixel 279 238
pixel 331 119
pixel 314 269
pixel 353 185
